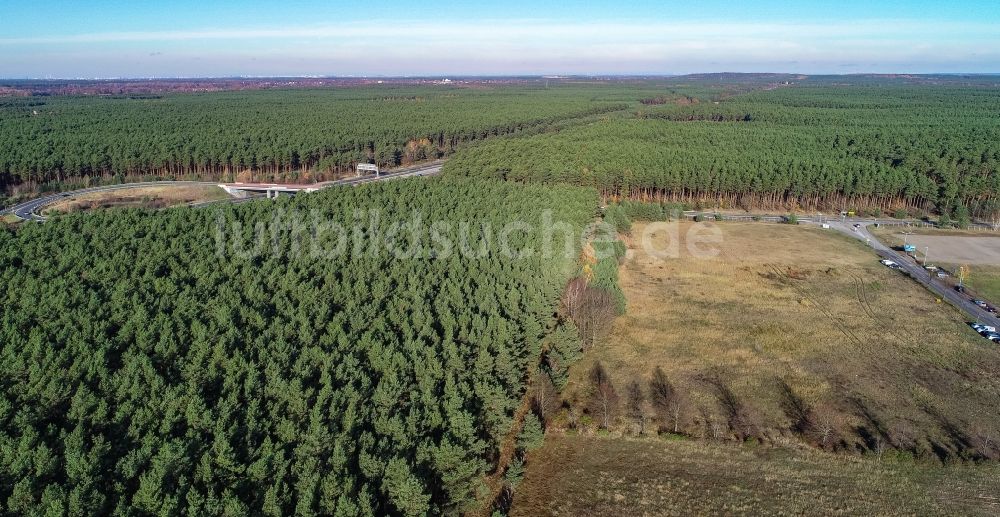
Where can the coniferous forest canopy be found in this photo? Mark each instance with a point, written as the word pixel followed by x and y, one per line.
pixel 143 371
pixel 207 361
pixel 287 134
pixel 828 146
pixel 925 144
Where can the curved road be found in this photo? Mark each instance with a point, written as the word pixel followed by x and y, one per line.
pixel 30 210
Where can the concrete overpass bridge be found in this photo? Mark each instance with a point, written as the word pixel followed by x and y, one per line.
pixel 32 210
pixel 274 190
pixel 270 190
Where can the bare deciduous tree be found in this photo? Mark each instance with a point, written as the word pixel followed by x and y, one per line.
pixel 991 212
pixel 902 435
pixel 596 315
pixel 824 421
pixel 878 446
pixel 573 294
pixel 715 428
pixel 741 418
pixel 635 399
pixel 546 398
pixel 604 398
pixel 572 418
pixel 986 440
pixel 592 309
pixel 667 402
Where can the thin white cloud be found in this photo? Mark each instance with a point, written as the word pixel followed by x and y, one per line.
pixel 533 29
pixel 512 47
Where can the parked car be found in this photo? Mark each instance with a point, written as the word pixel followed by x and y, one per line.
pixel 980 303
pixel 959 288
pixel 979 327
pixel 890 264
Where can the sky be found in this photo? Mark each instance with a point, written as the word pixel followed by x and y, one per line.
pixel 213 38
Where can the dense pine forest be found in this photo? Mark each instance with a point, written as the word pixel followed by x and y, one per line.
pixel 252 359
pixel 280 134
pixel 881 144
pixel 166 362
pixel 887 148
pixel 55 142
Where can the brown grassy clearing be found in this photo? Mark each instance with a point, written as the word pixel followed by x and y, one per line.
pixel 578 475
pixel 795 334
pixel 891 232
pixel 981 249
pixel 146 197
pixel 978 250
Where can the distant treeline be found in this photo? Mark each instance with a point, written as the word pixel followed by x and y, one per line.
pixel 892 146
pixel 279 134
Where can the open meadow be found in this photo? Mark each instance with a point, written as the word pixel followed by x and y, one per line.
pixel 803 378
pixel 799 334
pixel 577 475
pixel 976 250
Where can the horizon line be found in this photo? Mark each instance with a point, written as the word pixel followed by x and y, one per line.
pixel 596 75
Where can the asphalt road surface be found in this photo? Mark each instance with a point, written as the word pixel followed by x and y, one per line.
pixel 31 210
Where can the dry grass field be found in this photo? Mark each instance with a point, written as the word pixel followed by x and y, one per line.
pixel 798 335
pixel 981 280
pixel 977 250
pixel 950 246
pixel 576 475
pixel 146 197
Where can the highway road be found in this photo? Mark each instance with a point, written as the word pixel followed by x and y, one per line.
pixel 31 210
pixel 429 169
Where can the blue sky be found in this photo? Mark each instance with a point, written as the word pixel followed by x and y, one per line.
pixel 184 38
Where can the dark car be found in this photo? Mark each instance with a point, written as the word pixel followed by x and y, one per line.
pixel 960 288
